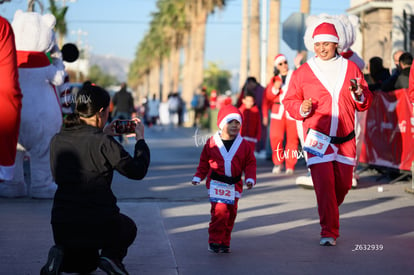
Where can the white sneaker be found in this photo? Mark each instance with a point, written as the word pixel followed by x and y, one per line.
pixel 305 182
pixel 354 183
pixel 289 171
pixel 276 169
pixel 261 154
pixel 327 241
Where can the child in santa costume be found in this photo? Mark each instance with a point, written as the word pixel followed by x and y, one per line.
pixel 280 122
pixel 225 157
pixel 322 95
pixel 10 103
pixel 250 129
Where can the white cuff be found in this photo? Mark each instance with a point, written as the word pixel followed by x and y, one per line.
pixel 251 181
pixel 361 100
pixel 275 91
pixel 196 179
pixel 302 113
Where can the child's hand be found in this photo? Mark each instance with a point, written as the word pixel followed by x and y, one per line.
pixel 195 183
pixel 249 185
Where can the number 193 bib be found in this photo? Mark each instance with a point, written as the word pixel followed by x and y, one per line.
pixel 316 143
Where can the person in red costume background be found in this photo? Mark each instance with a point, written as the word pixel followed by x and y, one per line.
pixel 322 94
pixel 250 129
pixel 10 101
pixel 411 85
pixel 280 121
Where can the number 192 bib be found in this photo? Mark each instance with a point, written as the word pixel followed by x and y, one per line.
pixel 316 143
pixel 221 192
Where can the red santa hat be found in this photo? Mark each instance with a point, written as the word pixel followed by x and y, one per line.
pixel 278 58
pixel 325 32
pixel 227 114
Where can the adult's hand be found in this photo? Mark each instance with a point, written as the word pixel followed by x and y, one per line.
pixel 139 129
pixel 306 106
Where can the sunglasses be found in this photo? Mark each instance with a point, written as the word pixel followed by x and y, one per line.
pixel 281 63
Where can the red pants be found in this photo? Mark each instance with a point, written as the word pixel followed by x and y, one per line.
pixel 222 222
pixel 289 154
pixel 332 181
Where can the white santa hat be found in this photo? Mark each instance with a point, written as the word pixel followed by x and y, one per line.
pixel 278 58
pixel 227 114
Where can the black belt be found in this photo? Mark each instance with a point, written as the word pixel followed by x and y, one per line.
pixel 339 140
pixel 225 179
pixel 277 103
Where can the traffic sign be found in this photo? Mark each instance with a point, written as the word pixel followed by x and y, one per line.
pixel 294 29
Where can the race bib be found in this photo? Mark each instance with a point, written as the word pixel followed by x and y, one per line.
pixel 316 143
pixel 221 192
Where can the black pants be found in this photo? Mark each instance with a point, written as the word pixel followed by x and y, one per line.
pixel 81 242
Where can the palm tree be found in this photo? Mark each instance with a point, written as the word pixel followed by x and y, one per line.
pixel 197 12
pixel 254 40
pixel 61 27
pixel 186 28
pixel 244 52
pixel 273 36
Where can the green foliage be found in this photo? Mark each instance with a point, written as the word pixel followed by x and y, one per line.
pixel 60 14
pixel 216 78
pixel 97 76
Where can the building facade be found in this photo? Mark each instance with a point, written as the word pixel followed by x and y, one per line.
pixel 385 26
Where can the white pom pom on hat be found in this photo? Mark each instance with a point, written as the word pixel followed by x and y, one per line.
pixel 227 114
pixel 278 58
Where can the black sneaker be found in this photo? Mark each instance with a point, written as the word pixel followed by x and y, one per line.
pixel 214 247
pixel 224 249
pixel 112 267
pixel 54 261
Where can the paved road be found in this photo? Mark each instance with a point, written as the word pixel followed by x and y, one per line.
pixel 276 231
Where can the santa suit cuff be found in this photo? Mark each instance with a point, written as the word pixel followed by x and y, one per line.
pixel 251 181
pixel 302 113
pixel 361 99
pixel 197 180
pixel 275 91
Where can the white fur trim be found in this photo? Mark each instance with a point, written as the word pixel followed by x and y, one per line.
pixel 229 118
pixel 325 38
pixel 196 179
pixel 250 180
pixel 279 59
pixel 251 139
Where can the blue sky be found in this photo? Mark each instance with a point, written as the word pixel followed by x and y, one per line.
pixel 116 27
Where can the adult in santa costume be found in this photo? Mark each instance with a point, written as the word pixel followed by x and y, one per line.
pixel 10 105
pixel 41 116
pixel 322 95
pixel 411 84
pixel 349 24
pixel 225 157
pixel 281 123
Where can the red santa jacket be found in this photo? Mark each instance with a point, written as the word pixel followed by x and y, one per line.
pixel 273 98
pixel 233 163
pixel 10 100
pixel 251 129
pixel 411 84
pixel 333 109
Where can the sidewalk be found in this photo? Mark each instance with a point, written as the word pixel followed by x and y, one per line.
pixel 276 231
